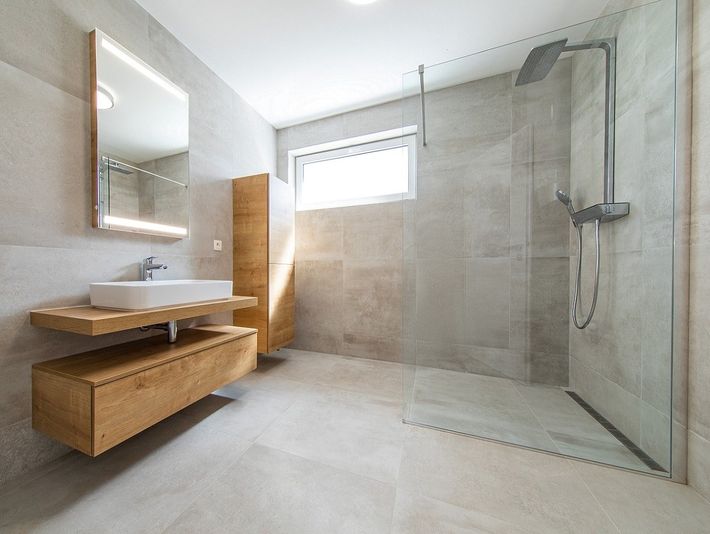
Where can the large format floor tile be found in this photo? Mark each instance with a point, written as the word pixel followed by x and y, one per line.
pixel 359 434
pixel 276 492
pixel 537 492
pixel 141 486
pixel 314 443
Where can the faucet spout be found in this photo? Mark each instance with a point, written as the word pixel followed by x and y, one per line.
pixel 148 266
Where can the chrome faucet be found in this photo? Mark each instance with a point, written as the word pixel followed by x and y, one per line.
pixel 148 267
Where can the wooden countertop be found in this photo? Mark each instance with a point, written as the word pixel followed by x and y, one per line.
pixel 91 321
pixel 107 364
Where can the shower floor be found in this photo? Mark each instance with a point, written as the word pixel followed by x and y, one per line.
pixel 537 416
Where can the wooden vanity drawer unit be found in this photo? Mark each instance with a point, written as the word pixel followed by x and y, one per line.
pixel 95 400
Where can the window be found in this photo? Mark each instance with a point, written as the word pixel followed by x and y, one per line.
pixel 356 172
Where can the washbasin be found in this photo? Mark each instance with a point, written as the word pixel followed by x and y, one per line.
pixel 133 296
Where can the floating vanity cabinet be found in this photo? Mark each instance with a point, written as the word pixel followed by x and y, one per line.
pixel 95 400
pixel 264 211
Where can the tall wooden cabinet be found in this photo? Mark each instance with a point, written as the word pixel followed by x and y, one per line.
pixel 264 245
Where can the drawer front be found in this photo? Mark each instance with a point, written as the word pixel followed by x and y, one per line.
pixel 61 408
pixel 127 406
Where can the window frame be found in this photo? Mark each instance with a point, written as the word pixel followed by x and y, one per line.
pixel 352 147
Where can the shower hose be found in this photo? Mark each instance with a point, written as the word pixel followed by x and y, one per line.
pixel 578 280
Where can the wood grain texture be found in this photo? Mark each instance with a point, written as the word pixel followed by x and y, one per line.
pixel 282 305
pixel 264 210
pixel 251 218
pixel 91 321
pixel 61 408
pixel 127 406
pixel 282 222
pixel 95 192
pixel 251 251
pixel 107 364
pixel 95 400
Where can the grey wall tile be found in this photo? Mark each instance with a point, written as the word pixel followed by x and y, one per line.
pixel 699 333
pixel 487 303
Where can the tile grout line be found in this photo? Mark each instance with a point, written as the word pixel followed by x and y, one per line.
pixel 594 496
pixel 208 486
pixel 532 410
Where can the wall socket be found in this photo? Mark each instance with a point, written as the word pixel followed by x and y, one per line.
pixel 217 244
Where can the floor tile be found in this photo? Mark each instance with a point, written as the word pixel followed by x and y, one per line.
pixel 360 434
pixel 646 505
pixel 246 411
pixel 140 486
pixel 528 489
pixel 314 443
pixel 416 514
pixel 270 491
pixel 370 377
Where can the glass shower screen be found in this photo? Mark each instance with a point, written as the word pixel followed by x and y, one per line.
pixel 491 252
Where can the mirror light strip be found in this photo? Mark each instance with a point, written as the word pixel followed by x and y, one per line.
pixel 144 225
pixel 145 71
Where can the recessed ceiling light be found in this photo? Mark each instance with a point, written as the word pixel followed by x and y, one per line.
pixel 362 2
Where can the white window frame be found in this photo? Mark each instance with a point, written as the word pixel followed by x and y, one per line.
pixel 349 147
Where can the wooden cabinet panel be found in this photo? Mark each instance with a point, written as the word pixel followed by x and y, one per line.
pixel 61 408
pixel 250 210
pixel 125 407
pixel 282 304
pixel 282 222
pixel 92 403
pixel 264 247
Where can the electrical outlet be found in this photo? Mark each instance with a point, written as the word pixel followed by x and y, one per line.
pixel 217 244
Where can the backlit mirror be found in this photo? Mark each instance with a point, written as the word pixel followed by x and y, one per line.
pixel 140 152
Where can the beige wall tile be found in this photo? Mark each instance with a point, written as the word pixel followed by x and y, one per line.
pixel 319 235
pixel 372 294
pixel 372 231
pixel 319 308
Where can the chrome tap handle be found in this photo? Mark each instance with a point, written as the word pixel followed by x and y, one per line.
pixel 148 266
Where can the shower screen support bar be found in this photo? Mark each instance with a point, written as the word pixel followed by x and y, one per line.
pixel 421 96
pixel 116 166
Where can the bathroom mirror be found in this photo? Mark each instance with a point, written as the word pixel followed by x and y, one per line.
pixel 140 152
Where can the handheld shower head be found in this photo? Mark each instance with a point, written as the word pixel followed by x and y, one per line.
pixel 566 200
pixel 562 197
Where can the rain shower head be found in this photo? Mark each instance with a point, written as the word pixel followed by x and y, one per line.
pixel 539 62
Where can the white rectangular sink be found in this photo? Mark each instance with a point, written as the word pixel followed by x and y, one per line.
pixel 132 296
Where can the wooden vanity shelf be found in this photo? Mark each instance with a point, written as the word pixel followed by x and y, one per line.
pixel 91 321
pixel 95 400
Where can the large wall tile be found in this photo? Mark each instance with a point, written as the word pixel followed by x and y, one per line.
pixel 372 231
pixel 319 307
pixel 440 296
pixel 699 332
pixel 319 235
pixel 487 304
pixel 372 294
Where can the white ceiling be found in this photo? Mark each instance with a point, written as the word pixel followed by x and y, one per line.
pixel 296 61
